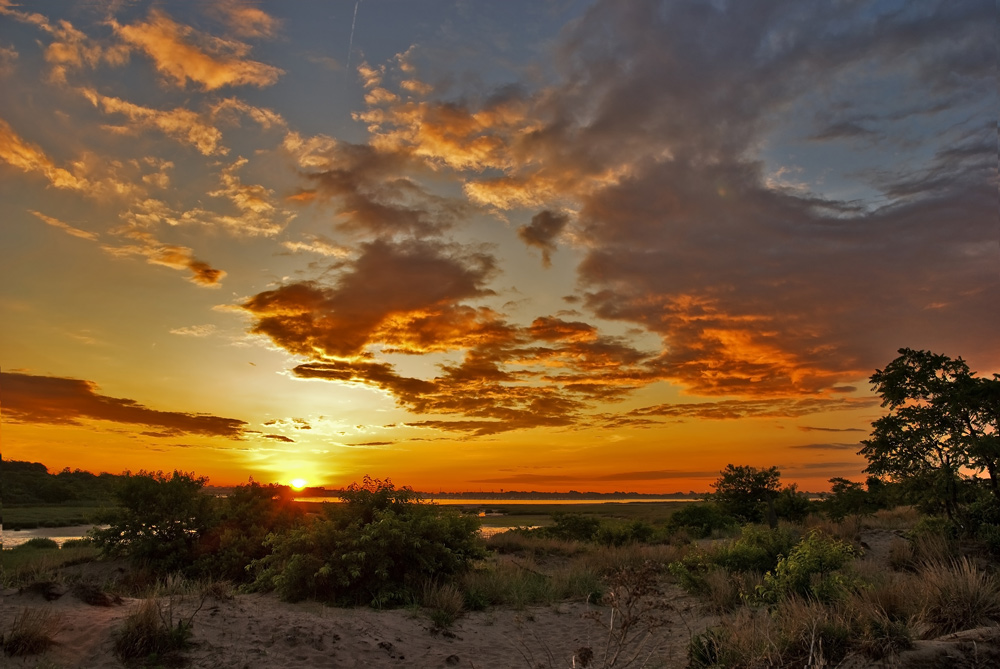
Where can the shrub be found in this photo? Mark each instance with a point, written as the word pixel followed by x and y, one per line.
pixel 378 547
pixel 809 570
pixel 77 543
pixel 636 532
pixel 30 633
pixel 573 527
pixel 159 521
pixel 699 520
pixel 38 543
pixel 756 551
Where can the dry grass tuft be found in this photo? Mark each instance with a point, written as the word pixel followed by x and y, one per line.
pixel 445 601
pixel 957 595
pixel 30 633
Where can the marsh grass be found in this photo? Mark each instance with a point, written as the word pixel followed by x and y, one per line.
pixel 30 633
pixel 154 633
pixel 444 601
pixel 957 595
pixel 22 566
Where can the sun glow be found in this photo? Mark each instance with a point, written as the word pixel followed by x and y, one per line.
pixel 298 484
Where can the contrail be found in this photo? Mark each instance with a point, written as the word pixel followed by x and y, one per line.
pixel 350 44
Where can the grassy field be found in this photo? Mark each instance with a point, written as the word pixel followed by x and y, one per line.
pixel 54 515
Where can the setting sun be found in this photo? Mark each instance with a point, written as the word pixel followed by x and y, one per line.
pixel 298 484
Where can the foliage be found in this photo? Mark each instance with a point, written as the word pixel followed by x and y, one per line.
pixel 757 550
pixel 159 521
pixel 635 532
pixel 573 527
pixel 942 420
pixel 38 543
pixel 847 498
pixel 31 483
pixel 699 520
pixel 792 505
pixel 747 493
pixel 238 530
pixel 809 570
pixel 378 547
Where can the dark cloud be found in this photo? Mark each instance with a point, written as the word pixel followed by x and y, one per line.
pixel 809 428
pixel 62 401
pixel 279 437
pixel 828 447
pixel 542 232
pixel 763 408
pixel 412 282
pixel 653 475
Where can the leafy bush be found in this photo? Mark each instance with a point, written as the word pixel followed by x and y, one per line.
pixel 757 550
pixel 809 570
pixel 242 522
pixel 378 547
pixel 636 532
pixel 792 505
pixel 700 520
pixel 573 527
pixel 159 521
pixel 38 543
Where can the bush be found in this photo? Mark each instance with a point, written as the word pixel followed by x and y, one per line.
pixel 809 570
pixel 159 521
pixel 756 551
pixel 378 548
pixel 38 543
pixel 636 532
pixel 573 527
pixel 700 520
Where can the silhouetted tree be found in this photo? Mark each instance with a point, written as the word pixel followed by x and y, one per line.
pixel 942 420
pixel 747 493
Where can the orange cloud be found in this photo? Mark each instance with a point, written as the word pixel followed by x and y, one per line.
pixel 169 255
pixel 64 401
pixel 183 125
pixel 65 227
pixel 182 54
pixel 28 157
pixel 246 20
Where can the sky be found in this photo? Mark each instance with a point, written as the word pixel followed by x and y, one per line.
pixel 529 245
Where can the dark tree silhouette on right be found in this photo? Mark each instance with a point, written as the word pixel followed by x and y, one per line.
pixel 942 429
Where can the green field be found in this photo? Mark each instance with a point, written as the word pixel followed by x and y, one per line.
pixel 50 515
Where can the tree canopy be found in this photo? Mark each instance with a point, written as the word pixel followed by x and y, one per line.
pixel 942 427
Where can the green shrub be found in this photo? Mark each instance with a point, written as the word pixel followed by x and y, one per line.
pixel 573 527
pixel 77 543
pixel 38 543
pixel 809 570
pixel 378 548
pixel 159 521
pixel 699 520
pixel 636 532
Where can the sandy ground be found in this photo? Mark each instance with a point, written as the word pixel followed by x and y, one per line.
pixel 252 631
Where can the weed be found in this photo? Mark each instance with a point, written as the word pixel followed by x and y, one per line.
pixel 445 601
pixel 30 633
pixel 957 596
pixel 151 634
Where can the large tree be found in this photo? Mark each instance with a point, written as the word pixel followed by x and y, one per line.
pixel 943 425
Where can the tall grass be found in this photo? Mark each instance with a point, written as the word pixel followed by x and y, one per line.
pixel 957 595
pixel 30 633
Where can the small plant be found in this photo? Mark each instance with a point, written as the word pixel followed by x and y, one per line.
pixel 149 633
pixel 30 633
pixel 633 596
pixel 445 601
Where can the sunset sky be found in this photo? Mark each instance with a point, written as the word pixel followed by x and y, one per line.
pixel 531 245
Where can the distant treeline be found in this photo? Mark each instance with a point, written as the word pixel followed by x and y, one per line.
pixel 31 483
